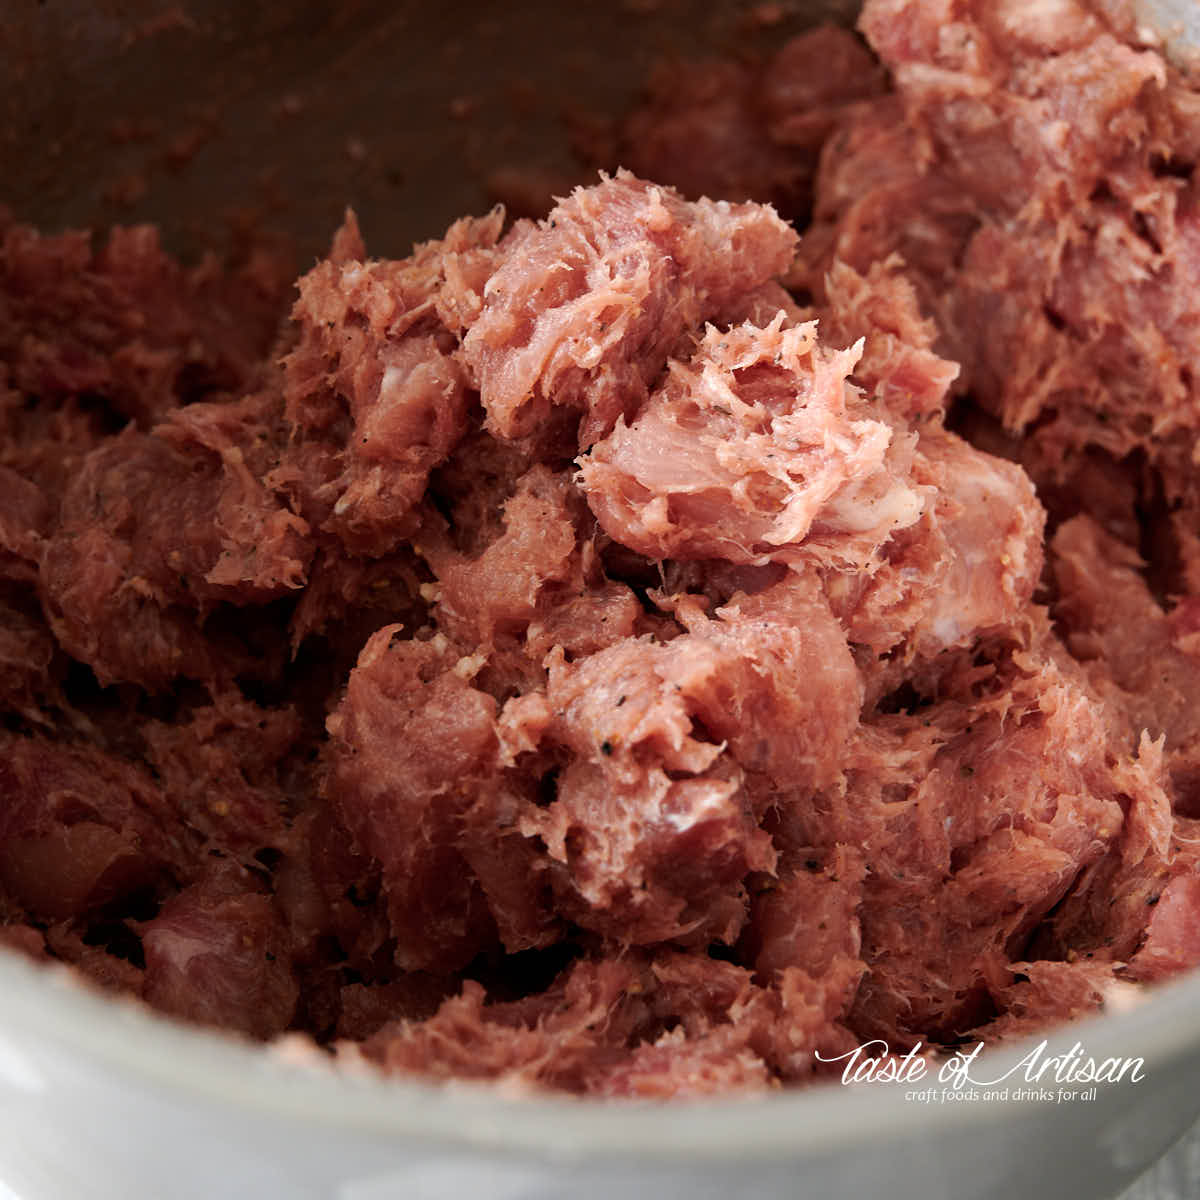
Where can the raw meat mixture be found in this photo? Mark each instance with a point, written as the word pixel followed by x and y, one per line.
pixel 631 651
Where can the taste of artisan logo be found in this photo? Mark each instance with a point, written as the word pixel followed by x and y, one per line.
pixel 960 1077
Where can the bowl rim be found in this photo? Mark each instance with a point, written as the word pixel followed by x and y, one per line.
pixel 50 1006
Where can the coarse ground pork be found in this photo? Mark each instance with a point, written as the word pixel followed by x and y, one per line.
pixel 641 651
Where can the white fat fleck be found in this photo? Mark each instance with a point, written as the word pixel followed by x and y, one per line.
pixel 469 665
pixel 298 1049
pixel 1147 37
pixel 946 630
pixel 393 379
pixel 713 804
pixel 431 593
pixel 439 643
pixel 898 508
pixel 1121 995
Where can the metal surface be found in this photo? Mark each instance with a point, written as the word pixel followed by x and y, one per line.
pixel 199 115
pixel 1177 24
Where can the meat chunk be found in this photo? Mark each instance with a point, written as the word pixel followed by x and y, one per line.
pixel 756 450
pixel 588 305
pixel 155 532
pixel 808 927
pixel 82 829
pixel 555 1038
pixel 127 323
pixel 1033 174
pixel 967 845
pixel 221 769
pixel 27 654
pixel 967 568
pixel 373 391
pixel 516 576
pixel 655 825
pixel 414 776
pixel 786 695
pixel 218 954
pixel 899 367
pixel 742 131
pixel 534 584
pixel 1138 657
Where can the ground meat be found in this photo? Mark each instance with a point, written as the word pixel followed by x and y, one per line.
pixel 416 777
pixel 374 397
pixel 744 130
pixel 755 450
pixel 1141 659
pixel 124 592
pixel 82 829
pixel 632 652
pixel 587 306
pixel 224 769
pixel 127 323
pixel 1034 172
pixel 218 953
pixel 1001 841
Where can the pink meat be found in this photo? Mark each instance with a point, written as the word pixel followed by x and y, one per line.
pixel 82 829
pixel 365 1009
pixel 27 648
pixel 46 443
pixel 966 568
pixel 373 391
pixel 1172 943
pixel 69 943
pixel 674 1025
pixel 415 759
pixel 347 598
pixel 745 130
pixel 513 580
pixel 329 896
pixel 787 696
pixel 27 654
pixel 1106 914
pixel 1137 657
pixel 527 580
pixel 24 520
pixel 218 954
pixel 556 1040
pixel 651 821
pixel 899 368
pixel 756 450
pixel 809 920
pixel 965 863
pixel 345 695
pixel 158 529
pixel 127 323
pixel 588 305
pixel 220 770
pixel 1047 993
pixel 1033 176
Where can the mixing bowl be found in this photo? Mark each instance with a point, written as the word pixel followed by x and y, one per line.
pixel 104 1100
pixel 207 118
